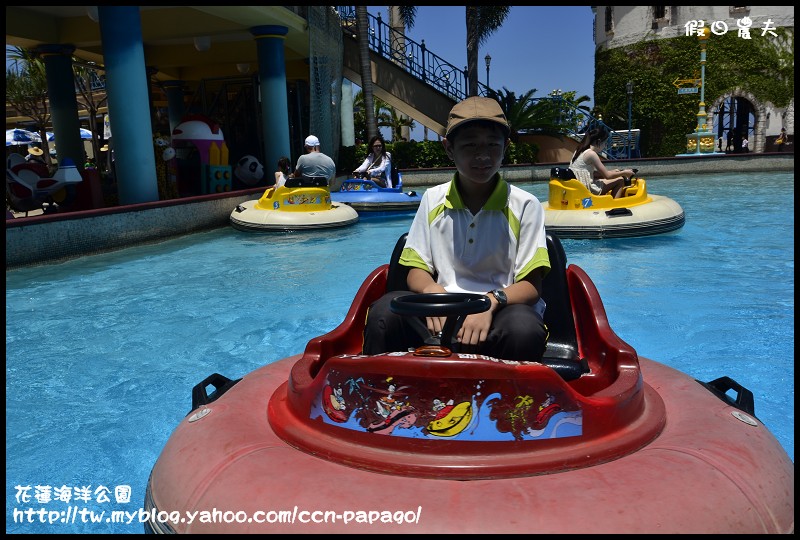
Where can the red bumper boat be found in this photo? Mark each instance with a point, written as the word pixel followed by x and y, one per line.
pixel 593 439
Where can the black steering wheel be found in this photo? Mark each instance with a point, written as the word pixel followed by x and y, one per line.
pixel 628 180
pixel 454 306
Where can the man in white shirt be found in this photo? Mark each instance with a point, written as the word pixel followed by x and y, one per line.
pixel 314 163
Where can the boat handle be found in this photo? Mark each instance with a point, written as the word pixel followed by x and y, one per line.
pixel 744 397
pixel 221 385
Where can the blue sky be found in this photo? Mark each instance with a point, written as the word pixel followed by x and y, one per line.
pixel 541 47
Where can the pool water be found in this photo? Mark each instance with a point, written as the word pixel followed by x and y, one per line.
pixel 102 352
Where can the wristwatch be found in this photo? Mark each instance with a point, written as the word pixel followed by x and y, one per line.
pixel 500 296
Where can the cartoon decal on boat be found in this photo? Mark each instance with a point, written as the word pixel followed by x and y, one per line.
pixel 334 405
pixel 490 410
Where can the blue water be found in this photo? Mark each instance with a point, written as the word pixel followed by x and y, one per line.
pixel 102 352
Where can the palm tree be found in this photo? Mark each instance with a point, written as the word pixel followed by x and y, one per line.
pixel 557 117
pixel 575 102
pixel 524 113
pixel 407 15
pixel 482 22
pixel 396 121
pixel 362 22
pixel 26 91
pixel 385 116
pixel 397 23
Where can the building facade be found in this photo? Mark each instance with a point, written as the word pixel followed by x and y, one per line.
pixel 740 107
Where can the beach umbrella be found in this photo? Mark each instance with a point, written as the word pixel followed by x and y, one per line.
pixel 85 134
pixel 18 136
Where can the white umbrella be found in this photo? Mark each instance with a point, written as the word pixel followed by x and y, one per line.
pixel 85 134
pixel 18 136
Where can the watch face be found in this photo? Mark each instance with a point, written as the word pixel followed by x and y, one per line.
pixel 500 296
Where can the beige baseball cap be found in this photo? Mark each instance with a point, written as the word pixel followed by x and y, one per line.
pixel 476 108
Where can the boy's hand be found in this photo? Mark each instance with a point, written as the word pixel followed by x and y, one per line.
pixel 474 331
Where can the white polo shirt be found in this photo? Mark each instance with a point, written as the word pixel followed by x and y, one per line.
pixel 498 246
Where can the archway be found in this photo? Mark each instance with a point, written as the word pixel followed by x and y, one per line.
pixel 739 114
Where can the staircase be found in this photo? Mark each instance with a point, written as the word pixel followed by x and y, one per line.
pixel 406 75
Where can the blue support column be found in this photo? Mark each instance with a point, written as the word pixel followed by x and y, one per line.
pixel 63 103
pixel 274 105
pixel 128 103
pixel 175 104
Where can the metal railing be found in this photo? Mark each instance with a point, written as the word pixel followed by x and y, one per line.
pixel 411 56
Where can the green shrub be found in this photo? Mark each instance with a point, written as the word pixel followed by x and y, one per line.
pixel 519 153
pixel 403 154
pixel 347 156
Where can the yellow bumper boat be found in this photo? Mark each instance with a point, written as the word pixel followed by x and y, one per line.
pixel 572 211
pixel 302 203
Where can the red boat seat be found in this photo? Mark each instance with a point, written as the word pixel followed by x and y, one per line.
pixel 398 273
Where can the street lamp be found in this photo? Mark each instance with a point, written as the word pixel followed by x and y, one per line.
pixel 629 89
pixel 488 60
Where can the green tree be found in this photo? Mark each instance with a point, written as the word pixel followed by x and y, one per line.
pixel 572 114
pixel 396 122
pixel 482 22
pixel 397 21
pixel 362 23
pixel 557 116
pixel 525 114
pixel 26 91
pixel 761 67
pixel 407 15
pixel 612 112
pixel 385 116
pixel 360 117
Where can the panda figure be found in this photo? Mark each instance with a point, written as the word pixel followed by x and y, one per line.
pixel 249 170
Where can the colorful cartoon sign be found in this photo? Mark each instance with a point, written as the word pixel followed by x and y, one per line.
pixel 459 409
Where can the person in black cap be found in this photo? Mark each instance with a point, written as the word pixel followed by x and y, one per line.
pixel 474 234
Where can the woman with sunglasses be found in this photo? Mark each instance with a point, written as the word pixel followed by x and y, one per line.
pixel 378 164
